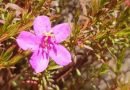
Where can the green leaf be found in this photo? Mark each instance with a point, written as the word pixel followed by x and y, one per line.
pixel 104 69
pixel 120 59
pixel 54 67
pixel 9 51
pixel 102 2
pixel 16 59
pixel 8 21
pixel 12 29
pixel 123 32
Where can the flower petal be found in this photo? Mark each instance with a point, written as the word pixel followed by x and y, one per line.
pixel 41 25
pixel 27 40
pixel 61 32
pixel 60 55
pixel 39 61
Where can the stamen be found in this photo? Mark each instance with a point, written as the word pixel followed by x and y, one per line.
pixel 50 33
pixel 47 40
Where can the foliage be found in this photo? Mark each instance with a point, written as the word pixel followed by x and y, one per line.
pixel 100 35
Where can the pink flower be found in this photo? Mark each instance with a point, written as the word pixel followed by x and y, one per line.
pixel 45 43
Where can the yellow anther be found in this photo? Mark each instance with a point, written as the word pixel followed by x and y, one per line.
pixel 49 33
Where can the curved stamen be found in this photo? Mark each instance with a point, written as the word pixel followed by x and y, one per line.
pixel 47 41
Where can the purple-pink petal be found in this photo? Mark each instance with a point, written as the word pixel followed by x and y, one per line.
pixel 28 41
pixel 41 25
pixel 61 32
pixel 60 55
pixel 39 61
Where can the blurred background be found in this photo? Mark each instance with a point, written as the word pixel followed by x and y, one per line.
pixel 99 45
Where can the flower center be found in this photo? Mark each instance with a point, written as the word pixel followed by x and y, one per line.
pixel 47 40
